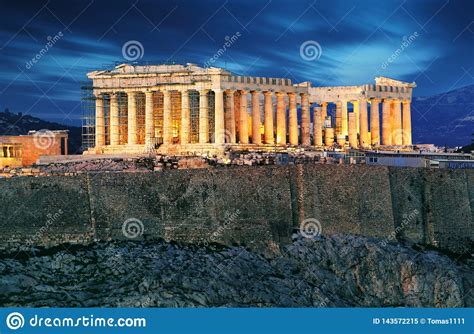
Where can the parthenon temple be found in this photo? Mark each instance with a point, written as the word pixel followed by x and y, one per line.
pixel 187 108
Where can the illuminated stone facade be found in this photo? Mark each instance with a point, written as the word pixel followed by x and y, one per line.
pixel 175 109
pixel 25 150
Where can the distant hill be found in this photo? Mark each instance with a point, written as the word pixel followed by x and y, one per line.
pixel 448 118
pixel 18 124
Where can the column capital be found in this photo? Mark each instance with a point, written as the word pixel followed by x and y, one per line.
pixel 267 93
pixel 242 91
pixel 323 104
pixel 280 94
pixel 291 94
pixel 304 94
pixel 405 101
pixel 253 92
pixel 131 91
pixel 148 93
pixel 376 100
pixel 218 90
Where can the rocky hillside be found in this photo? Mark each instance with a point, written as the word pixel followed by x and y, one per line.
pixel 19 124
pixel 444 119
pixel 339 271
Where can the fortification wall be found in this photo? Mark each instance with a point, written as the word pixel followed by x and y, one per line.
pixel 259 207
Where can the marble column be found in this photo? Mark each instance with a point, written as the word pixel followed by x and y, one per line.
pixel 185 118
pixel 268 118
pixel 345 124
pixel 132 118
pixel 237 115
pixel 352 124
pixel 374 122
pixel 293 120
pixel 204 116
pixel 229 106
pixel 149 121
pixel 256 118
pixel 363 124
pixel 406 123
pixel 317 127
pixel 329 136
pixel 386 123
pixel 338 118
pixel 99 121
pixel 356 111
pixel 219 127
pixel 397 136
pixel 114 120
pixel 243 124
pixel 281 119
pixel 324 111
pixel 167 118
pixel 305 121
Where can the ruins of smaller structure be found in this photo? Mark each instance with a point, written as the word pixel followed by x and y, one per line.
pixel 177 109
pixel 25 150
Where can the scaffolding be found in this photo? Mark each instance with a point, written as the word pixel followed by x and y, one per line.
pixel 194 112
pixel 88 115
pixel 122 101
pixel 158 116
pixel 175 116
pixel 211 112
pixel 140 107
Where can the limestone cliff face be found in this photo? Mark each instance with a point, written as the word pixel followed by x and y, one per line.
pixel 337 271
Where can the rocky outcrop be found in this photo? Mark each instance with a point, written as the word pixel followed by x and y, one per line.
pixel 337 271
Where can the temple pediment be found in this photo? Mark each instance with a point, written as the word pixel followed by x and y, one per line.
pixel 385 81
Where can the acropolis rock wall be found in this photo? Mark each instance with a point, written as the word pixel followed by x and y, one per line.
pixel 260 207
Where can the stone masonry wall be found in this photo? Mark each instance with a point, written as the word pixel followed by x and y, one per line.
pixel 259 207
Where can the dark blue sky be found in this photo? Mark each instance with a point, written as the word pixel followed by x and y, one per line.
pixel 356 38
